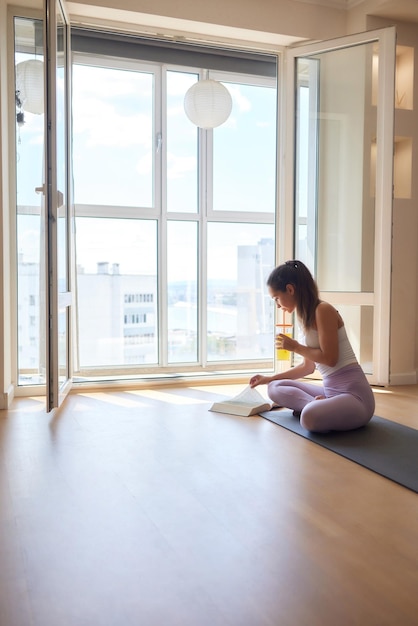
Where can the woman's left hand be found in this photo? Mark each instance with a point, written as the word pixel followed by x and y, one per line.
pixel 284 342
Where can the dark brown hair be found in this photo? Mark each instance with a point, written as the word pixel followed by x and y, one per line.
pixel 306 291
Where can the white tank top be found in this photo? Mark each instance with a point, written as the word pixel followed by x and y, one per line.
pixel 346 354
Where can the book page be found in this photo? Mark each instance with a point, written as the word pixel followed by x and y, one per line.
pixel 251 396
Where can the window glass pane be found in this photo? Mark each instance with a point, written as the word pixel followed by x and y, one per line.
pixel 244 152
pixel 335 171
pixel 306 162
pixel 30 301
pixel 113 136
pixel 61 158
pixel 31 323
pixel 117 291
pixel 240 313
pixel 63 325
pixel 182 189
pixel 182 291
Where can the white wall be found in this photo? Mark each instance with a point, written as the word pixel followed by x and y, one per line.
pixel 404 301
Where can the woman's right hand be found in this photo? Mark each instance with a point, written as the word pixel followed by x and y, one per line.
pixel 258 379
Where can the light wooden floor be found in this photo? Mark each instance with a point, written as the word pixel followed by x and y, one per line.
pixel 142 508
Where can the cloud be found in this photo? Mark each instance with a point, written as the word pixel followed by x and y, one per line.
pixel 178 83
pixel 239 100
pixel 101 113
pixel 144 165
pixel 177 109
pixel 105 83
pixel 178 166
pixel 104 126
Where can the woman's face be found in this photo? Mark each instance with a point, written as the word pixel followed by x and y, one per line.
pixel 285 300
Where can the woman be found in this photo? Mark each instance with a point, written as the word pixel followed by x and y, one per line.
pixel 345 400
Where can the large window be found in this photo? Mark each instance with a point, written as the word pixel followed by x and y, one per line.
pixel 174 225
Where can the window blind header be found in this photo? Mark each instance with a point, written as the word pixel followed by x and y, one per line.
pixel 172 52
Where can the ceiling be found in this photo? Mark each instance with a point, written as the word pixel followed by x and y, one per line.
pixel 403 10
pixel 93 13
pixel 400 10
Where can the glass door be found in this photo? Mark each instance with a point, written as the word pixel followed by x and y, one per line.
pixel 57 204
pixel 340 143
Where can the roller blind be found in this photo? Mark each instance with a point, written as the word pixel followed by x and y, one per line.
pixel 172 52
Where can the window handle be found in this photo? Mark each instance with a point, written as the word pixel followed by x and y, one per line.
pixel 159 142
pixel 60 195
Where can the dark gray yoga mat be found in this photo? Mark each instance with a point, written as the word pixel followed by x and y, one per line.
pixel 385 447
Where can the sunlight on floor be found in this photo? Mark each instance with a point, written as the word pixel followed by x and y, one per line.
pixel 168 396
pixel 117 399
pixel 132 398
pixel 32 404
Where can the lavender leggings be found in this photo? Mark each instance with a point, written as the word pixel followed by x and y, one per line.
pixel 349 401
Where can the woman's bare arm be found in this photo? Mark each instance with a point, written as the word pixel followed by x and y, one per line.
pixel 327 321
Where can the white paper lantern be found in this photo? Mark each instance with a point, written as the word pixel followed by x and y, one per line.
pixel 208 103
pixel 30 84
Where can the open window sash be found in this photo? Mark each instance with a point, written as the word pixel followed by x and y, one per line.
pixel 339 180
pixel 58 214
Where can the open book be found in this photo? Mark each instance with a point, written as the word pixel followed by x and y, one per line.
pixel 248 402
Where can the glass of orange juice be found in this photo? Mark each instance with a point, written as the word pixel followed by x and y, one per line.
pixel 283 329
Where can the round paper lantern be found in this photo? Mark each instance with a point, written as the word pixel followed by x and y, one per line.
pixel 208 103
pixel 30 84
